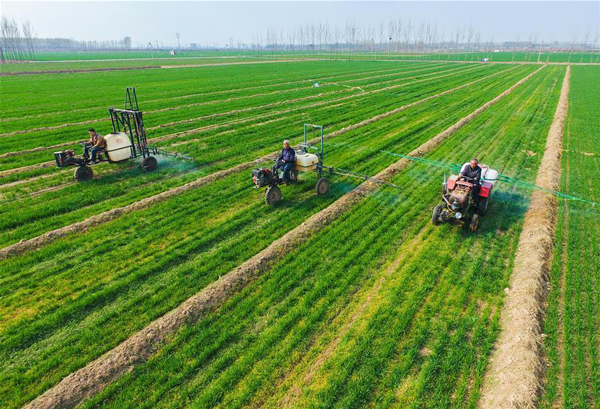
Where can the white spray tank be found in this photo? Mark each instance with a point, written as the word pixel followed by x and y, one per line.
pixel 118 146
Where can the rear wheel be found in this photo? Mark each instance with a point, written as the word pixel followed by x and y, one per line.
pixel 474 222
pixel 294 175
pixel 322 186
pixel 272 195
pixel 150 163
pixel 483 205
pixel 83 173
pixel 435 217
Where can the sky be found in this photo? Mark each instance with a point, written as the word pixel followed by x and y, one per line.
pixel 214 23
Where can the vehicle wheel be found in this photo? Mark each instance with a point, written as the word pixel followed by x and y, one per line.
pixel 83 173
pixel 435 217
pixel 294 175
pixel 150 163
pixel 322 186
pixel 474 222
pixel 272 195
pixel 483 205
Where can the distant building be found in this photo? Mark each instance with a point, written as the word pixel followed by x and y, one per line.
pixel 485 59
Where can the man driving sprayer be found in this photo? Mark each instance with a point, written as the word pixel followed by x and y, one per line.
pixel 95 145
pixel 287 160
pixel 472 173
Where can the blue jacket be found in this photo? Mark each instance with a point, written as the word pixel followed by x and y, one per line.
pixel 288 155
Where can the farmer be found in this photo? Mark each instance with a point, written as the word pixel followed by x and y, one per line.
pixel 472 173
pixel 96 144
pixel 286 160
pixel 90 144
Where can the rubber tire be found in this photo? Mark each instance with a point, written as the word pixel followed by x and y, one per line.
pixel 483 205
pixel 294 175
pixel 83 173
pixel 272 195
pixel 322 186
pixel 150 163
pixel 435 217
pixel 474 222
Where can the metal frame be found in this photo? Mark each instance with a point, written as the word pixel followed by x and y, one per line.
pixel 131 121
pixel 307 145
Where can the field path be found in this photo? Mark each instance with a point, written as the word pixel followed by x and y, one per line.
pixel 138 348
pixel 109 215
pixel 516 367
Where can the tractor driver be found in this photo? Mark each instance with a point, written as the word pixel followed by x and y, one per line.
pixel 96 144
pixel 286 160
pixel 472 173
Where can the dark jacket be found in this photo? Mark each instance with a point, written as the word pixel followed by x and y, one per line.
pixel 474 174
pixel 288 155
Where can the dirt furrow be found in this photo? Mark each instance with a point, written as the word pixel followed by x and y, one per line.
pixel 92 378
pixel 48 237
pixel 8 172
pixel 515 373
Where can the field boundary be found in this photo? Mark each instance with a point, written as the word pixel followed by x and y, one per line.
pixel 48 237
pixel 92 378
pixel 515 374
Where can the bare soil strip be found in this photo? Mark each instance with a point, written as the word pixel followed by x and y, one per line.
pixel 92 378
pixel 8 172
pixel 149 67
pixel 10 74
pixel 515 374
pixel 48 237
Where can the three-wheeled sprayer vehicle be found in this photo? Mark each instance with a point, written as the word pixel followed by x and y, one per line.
pixel 458 200
pixel 127 141
pixel 305 162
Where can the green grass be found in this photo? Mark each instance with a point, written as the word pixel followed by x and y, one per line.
pixel 572 318
pixel 174 249
pixel 444 295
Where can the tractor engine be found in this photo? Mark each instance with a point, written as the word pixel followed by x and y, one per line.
pixel 459 198
pixel 262 177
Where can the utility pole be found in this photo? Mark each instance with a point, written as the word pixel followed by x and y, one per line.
pixel 178 42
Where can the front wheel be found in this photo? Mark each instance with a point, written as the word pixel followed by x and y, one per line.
pixel 322 186
pixel 435 217
pixel 150 163
pixel 272 195
pixel 83 173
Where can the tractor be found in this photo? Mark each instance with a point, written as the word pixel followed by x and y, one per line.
pixel 305 162
pixel 458 200
pixel 127 141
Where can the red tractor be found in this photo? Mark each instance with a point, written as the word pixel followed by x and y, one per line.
pixel 458 200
